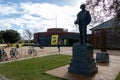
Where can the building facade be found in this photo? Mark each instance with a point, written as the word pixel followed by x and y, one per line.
pixel 45 38
pixel 112 28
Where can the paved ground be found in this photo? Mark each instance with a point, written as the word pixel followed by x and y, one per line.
pixel 40 52
pixel 52 50
pixel 105 71
pixel 109 71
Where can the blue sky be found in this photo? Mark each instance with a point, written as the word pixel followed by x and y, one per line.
pixel 57 2
pixel 38 15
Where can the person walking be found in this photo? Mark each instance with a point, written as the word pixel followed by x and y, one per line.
pixel 59 44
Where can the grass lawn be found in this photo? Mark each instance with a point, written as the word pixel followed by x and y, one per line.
pixel 33 69
pixel 118 76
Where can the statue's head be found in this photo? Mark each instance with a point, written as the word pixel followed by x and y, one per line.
pixel 82 7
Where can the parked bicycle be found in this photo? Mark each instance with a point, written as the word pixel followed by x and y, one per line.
pixel 31 51
pixel 14 53
pixel 3 55
pixel 38 45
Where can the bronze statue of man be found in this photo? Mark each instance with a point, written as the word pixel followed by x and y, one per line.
pixel 83 19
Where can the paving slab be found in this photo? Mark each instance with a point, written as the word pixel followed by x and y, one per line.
pixel 106 71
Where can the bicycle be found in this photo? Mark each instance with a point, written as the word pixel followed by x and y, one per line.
pixel 3 55
pixel 14 53
pixel 31 51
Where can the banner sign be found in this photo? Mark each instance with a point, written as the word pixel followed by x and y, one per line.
pixel 54 40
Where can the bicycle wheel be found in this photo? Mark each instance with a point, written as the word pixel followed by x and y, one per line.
pixel 17 54
pixel 11 54
pixel 0 57
pixel 34 52
pixel 29 51
pixel 5 56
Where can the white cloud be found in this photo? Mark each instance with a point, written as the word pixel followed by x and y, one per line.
pixel 39 16
pixel 45 10
pixel 8 9
pixel 5 24
pixel 29 17
pixel 47 14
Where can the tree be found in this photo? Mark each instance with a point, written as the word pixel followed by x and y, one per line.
pixel 11 36
pixel 27 34
pixel 103 9
pixel 1 38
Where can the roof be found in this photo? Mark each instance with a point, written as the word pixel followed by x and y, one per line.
pixel 106 25
pixel 54 31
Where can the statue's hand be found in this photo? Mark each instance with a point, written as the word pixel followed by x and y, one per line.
pixel 75 22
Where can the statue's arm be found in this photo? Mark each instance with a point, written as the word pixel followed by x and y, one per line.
pixel 77 20
pixel 88 17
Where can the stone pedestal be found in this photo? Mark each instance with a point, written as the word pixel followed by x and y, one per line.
pixel 82 61
pixel 102 57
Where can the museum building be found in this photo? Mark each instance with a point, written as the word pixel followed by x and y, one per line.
pixel 51 37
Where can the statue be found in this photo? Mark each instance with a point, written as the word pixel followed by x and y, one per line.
pixel 83 19
pixel 82 61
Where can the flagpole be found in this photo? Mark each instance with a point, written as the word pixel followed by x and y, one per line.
pixel 56 21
